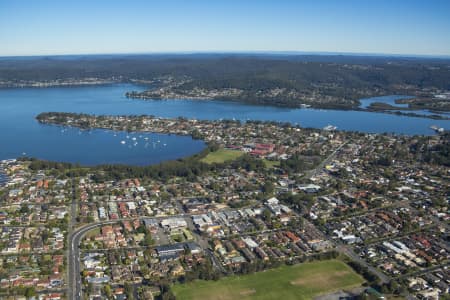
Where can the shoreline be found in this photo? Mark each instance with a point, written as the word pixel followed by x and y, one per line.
pixel 133 95
pixel 184 126
pixel 203 130
pixel 301 106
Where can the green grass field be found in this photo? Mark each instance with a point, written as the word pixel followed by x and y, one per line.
pixel 271 163
pixel 303 281
pixel 221 156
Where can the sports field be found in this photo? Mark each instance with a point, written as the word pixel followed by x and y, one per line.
pixel 221 156
pixel 302 281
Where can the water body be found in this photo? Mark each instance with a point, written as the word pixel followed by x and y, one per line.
pixel 21 133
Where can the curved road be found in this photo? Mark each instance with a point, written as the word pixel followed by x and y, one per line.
pixel 74 278
pixel 74 259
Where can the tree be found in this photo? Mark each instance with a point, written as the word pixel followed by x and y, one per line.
pixel 166 293
pixel 268 188
pixel 267 215
pixel 24 209
pixel 128 290
pixel 148 240
pixel 108 291
pixel 30 292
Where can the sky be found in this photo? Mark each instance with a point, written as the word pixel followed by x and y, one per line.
pixel 44 27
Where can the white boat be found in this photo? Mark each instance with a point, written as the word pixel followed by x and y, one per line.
pixel 330 128
pixel 437 129
pixel 122 142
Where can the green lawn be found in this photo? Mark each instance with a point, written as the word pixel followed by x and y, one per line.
pixel 221 156
pixel 271 163
pixel 302 281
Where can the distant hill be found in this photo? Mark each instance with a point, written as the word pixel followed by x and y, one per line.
pixel 282 79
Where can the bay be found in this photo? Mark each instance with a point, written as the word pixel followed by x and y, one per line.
pixel 21 134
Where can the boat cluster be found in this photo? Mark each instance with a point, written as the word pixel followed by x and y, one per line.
pixel 133 141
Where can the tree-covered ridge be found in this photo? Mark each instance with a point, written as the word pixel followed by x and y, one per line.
pixel 289 80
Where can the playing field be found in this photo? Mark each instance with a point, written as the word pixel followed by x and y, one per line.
pixel 221 156
pixel 303 281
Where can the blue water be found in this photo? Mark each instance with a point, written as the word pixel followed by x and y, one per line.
pixel 21 133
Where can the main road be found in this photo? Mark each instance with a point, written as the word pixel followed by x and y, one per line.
pixel 74 278
pixel 322 164
pixel 74 260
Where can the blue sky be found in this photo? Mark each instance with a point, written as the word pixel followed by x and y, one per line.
pixel 42 27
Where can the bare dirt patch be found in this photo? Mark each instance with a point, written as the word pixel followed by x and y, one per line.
pixel 319 278
pixel 247 292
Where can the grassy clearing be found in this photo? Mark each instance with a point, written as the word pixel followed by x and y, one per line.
pixel 303 281
pixel 271 163
pixel 92 233
pixel 222 155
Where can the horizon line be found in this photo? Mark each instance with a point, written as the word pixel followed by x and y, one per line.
pixel 248 52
